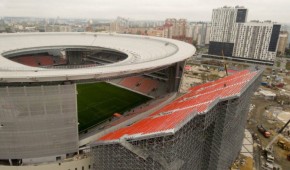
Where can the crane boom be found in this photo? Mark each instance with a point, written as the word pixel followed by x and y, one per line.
pixel 276 137
pixel 281 130
pixel 224 62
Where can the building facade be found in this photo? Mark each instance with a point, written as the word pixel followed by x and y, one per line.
pixel 283 41
pixel 38 123
pixel 177 28
pixel 223 23
pixel 232 36
pixel 222 28
pixel 199 32
pixel 256 40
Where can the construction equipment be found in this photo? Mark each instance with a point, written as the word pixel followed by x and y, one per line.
pixel 263 131
pixel 268 149
pixel 283 144
pixel 278 135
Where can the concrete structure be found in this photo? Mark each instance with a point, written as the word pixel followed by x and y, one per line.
pixel 283 41
pixel 268 94
pixel 232 37
pixel 203 129
pixel 38 121
pixel 248 148
pixel 69 164
pixel 38 105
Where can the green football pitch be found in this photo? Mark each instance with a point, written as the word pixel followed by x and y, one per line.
pixel 99 101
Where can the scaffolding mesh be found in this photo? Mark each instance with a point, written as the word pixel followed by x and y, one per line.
pixel 207 141
pixel 38 121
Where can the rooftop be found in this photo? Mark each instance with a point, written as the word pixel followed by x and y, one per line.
pixel 144 53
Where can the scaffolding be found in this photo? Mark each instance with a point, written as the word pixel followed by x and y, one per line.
pixel 210 140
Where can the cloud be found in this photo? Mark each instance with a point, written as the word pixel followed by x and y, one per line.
pixel 142 9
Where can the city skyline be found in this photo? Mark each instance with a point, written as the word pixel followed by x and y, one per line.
pixel 193 10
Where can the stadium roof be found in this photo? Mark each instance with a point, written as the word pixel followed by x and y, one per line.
pixel 198 100
pixel 144 53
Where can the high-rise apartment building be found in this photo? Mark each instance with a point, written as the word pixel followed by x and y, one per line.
pixel 256 40
pixel 119 25
pixel 223 23
pixel 178 27
pixel 283 41
pixel 2 25
pixel 199 32
pixel 222 28
pixel 232 36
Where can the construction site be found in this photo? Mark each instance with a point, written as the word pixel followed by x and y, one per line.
pixel 268 115
pixel 204 127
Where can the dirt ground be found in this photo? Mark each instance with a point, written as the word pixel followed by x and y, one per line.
pixel 248 164
pixel 243 163
pixel 257 117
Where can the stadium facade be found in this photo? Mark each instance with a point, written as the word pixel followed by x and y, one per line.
pixel 38 104
pixel 203 129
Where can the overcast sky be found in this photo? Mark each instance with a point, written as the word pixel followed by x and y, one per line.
pixel 193 10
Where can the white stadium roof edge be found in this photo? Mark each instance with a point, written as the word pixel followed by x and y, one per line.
pixel 144 53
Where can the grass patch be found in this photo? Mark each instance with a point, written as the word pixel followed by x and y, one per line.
pixel 99 101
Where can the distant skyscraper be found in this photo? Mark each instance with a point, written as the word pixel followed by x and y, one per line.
pixel 178 27
pixel 119 25
pixel 2 25
pixel 232 36
pixel 199 32
pixel 283 41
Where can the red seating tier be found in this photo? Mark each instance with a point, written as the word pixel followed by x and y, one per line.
pixel 35 61
pixel 140 84
pixel 130 82
pixel 198 99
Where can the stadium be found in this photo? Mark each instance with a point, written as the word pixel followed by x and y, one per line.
pixel 111 101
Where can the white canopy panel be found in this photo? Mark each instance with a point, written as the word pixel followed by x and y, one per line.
pixel 144 53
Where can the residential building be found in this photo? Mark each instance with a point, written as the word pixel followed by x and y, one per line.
pixel 256 40
pixel 223 24
pixel 231 36
pixel 178 28
pixel 199 32
pixel 283 41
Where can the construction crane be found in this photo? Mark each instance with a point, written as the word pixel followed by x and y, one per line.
pixel 224 62
pixel 277 136
pixel 268 150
